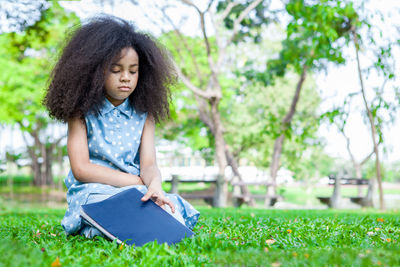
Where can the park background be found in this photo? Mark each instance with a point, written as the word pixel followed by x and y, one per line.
pixel 235 115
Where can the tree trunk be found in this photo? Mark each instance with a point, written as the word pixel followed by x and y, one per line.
pixel 43 161
pixel 48 164
pixel 36 167
pixel 276 155
pixel 243 188
pixel 221 196
pixel 231 161
pixel 60 163
pixel 372 124
pixel 278 145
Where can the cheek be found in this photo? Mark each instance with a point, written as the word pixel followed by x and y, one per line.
pixel 109 81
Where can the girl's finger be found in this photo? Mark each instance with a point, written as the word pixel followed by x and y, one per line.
pixel 147 196
pixel 169 203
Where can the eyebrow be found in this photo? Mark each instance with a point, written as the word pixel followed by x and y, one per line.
pixel 119 65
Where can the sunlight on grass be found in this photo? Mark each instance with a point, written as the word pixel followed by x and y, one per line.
pixel 223 237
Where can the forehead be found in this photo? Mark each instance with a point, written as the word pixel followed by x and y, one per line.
pixel 127 55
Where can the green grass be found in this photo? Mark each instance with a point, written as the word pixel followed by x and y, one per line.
pixel 34 237
pixel 17 179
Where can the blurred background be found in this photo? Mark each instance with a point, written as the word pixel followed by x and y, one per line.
pixel 277 101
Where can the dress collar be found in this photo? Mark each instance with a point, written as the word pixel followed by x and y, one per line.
pixel 123 108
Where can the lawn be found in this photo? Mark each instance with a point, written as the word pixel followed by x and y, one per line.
pixel 249 237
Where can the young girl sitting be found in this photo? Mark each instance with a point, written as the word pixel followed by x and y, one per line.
pixel 111 86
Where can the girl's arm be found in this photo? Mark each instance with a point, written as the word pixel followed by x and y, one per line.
pixel 149 171
pixel 87 172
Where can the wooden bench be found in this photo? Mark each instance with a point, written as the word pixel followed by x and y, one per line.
pixel 238 198
pixel 208 197
pixel 333 201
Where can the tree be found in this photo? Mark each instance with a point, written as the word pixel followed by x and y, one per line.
pixel 207 85
pixel 315 35
pixel 24 64
pixel 339 117
pixel 384 66
pixel 28 13
pixel 253 114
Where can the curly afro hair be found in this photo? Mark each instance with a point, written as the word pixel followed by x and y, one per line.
pixel 76 84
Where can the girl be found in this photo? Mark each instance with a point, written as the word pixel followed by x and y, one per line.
pixel 111 86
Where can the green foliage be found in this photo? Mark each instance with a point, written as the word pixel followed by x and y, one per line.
pixel 186 126
pixel 255 122
pixel 25 62
pixel 390 171
pixel 250 28
pixel 315 31
pixel 315 35
pixel 233 237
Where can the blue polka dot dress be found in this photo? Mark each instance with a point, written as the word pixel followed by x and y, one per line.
pixel 113 138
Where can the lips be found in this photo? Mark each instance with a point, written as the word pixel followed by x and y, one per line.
pixel 124 88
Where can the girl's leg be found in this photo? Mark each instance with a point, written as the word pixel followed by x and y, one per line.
pixel 88 230
pixel 177 215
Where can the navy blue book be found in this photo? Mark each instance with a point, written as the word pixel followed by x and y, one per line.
pixel 126 218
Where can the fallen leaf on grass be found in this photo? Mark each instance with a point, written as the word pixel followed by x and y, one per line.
pixel 275 264
pixel 380 220
pixel 289 231
pixel 56 263
pixel 270 241
pixel 388 239
pixel 266 250
pixel 53 234
pixel 306 255
pixel 294 254
pixel 377 229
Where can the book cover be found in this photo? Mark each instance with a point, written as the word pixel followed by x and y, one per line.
pixel 126 218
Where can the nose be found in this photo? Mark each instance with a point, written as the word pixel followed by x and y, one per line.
pixel 124 76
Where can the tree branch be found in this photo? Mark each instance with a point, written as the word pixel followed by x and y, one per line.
pixel 187 47
pixel 236 24
pixel 228 10
pixel 206 41
pixel 205 94
pixel 242 15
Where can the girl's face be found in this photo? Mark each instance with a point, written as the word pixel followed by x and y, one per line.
pixel 121 78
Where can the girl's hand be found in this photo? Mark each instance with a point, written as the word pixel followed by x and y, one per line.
pixel 157 195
